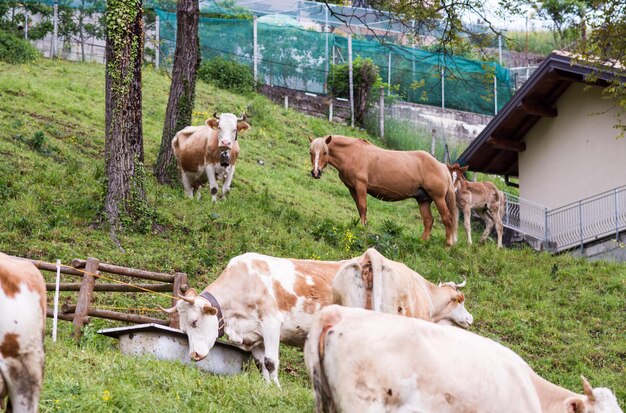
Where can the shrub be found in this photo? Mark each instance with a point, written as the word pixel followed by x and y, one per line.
pixel 365 77
pixel 227 74
pixel 16 50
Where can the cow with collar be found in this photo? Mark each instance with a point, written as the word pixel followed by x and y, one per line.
pixel 209 153
pixel 22 325
pixel 257 302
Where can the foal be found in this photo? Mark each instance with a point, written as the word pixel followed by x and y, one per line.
pixel 483 197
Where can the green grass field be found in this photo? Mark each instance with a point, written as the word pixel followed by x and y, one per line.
pixel 565 316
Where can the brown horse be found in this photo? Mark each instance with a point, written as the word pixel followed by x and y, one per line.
pixel 484 197
pixel 389 176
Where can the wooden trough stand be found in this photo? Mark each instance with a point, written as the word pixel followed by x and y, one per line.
pixel 89 270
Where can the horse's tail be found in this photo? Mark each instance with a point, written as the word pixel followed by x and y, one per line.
pixel 451 204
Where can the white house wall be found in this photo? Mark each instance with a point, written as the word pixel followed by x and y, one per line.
pixel 574 155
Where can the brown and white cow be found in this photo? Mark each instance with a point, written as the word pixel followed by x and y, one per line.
pixel 258 301
pixel 209 152
pixel 363 361
pixel 374 282
pixel 22 325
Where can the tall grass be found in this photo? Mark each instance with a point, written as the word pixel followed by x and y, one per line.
pixel 538 42
pixel 563 315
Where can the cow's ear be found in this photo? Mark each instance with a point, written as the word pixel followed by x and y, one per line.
pixel 465 168
pixel 213 123
pixel 328 139
pixel 575 405
pixel 242 126
pixel 209 310
pixel 311 138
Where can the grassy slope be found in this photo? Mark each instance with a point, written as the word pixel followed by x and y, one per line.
pixel 564 316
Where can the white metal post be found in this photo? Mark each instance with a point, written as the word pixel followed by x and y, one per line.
pixel 495 90
pixel 157 41
pixel 443 88
pixel 326 67
pixel 56 28
pixel 255 49
pixel 330 111
pixel 616 218
pixel 580 224
pixel 351 80
pixel 500 48
pixel 25 23
pixel 389 75
pixel 56 302
pixel 286 102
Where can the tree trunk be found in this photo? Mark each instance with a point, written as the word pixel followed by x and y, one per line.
pixel 123 129
pixel 182 89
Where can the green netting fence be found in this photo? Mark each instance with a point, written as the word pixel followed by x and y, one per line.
pixel 299 58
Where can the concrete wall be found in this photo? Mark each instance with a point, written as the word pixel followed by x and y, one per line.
pixel 455 125
pixel 574 155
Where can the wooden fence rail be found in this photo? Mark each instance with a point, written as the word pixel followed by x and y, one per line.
pixel 89 271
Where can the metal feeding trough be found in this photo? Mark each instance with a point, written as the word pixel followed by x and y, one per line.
pixel 166 343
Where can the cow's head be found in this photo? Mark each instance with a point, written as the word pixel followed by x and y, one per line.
pixel 452 305
pixel 319 155
pixel 598 400
pixel 228 127
pixel 198 318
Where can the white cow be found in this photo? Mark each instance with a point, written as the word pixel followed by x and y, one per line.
pixel 209 152
pixel 374 282
pixel 258 301
pixel 364 361
pixel 22 324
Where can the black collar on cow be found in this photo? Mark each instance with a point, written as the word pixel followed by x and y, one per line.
pixel 220 318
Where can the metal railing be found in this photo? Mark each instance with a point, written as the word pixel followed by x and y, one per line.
pixel 576 224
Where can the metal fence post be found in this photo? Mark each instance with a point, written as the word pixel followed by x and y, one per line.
pixel 255 49
pixel 25 23
pixel 351 80
pixel 443 88
pixel 157 40
pixel 326 66
pixel 495 89
pixel 616 217
pixel 545 225
pixel 580 223
pixel 389 74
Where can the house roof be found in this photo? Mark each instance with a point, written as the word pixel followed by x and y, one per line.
pixel 495 150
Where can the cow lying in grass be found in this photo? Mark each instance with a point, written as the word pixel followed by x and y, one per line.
pixel 483 197
pixel 209 152
pixel 362 361
pixel 22 324
pixel 258 301
pixel 374 282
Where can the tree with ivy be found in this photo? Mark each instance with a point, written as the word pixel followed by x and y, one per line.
pixel 182 89
pixel 123 128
